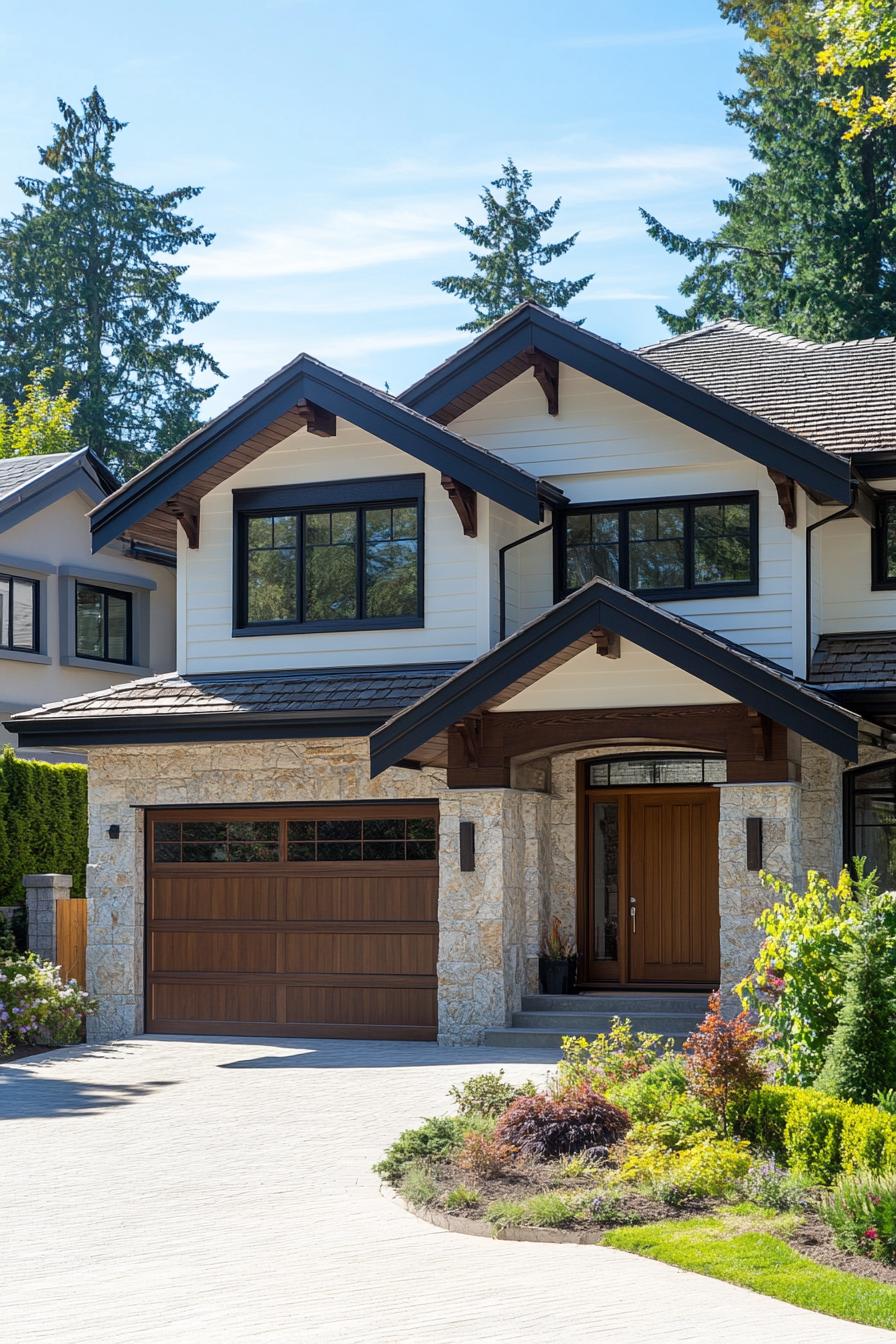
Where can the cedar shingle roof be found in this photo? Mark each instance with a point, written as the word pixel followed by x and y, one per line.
pixel 855 660
pixel 840 396
pixel 314 692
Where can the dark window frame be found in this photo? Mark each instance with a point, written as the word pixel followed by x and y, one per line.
pixel 123 596
pixel 731 588
pixel 326 497
pixel 850 851
pixel 34 646
pixel 880 580
pixel 653 757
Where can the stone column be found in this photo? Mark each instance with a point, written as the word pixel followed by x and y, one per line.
pixel 42 891
pixel 115 922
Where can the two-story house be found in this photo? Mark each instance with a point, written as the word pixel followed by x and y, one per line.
pixel 562 630
pixel 72 622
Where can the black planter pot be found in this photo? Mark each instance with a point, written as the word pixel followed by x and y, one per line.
pixel 557 976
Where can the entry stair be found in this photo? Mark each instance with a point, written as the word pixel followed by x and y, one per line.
pixel 544 1019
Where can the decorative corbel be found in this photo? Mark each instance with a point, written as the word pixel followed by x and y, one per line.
pixel 606 642
pixel 762 729
pixel 317 420
pixel 464 500
pixel 470 732
pixel 786 488
pixel 187 514
pixel 547 374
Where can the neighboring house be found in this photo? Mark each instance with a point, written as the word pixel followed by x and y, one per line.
pixel 563 630
pixel 72 622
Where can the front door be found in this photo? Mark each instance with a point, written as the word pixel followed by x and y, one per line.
pixel 649 902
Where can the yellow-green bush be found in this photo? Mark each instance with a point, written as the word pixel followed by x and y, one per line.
pixel 818 1135
pixel 708 1167
pixel 43 823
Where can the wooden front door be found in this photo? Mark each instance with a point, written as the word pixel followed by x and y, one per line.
pixel 293 921
pixel 649 896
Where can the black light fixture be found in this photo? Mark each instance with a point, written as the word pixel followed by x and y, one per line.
pixel 467 847
pixel 114 831
pixel 754 844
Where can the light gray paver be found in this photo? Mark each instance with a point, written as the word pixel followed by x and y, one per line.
pixel 218 1191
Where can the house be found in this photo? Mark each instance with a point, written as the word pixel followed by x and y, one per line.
pixel 72 622
pixel 564 629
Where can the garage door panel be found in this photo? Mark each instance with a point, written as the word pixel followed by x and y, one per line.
pixel 374 1006
pixel 359 953
pixel 215 896
pixel 213 951
pixel 358 897
pixel 202 1002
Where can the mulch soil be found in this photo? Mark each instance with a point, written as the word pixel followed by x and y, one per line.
pixel 816 1240
pixel 24 1052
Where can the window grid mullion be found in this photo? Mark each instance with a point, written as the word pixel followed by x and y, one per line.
pixel 361 561
pixel 624 558
pixel 689 543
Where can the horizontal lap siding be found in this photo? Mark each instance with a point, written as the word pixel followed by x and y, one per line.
pixel 604 446
pixel 842 568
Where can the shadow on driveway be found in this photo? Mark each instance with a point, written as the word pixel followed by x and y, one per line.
pixel 27 1095
pixel 339 1054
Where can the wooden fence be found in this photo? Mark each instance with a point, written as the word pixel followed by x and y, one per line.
pixel 71 939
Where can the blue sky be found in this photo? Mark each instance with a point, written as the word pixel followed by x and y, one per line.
pixel 339 140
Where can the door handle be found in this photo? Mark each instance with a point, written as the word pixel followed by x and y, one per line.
pixel 633 909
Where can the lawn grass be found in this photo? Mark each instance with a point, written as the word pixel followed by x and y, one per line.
pixel 744 1249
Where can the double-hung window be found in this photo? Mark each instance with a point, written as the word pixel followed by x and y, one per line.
pixel 103 623
pixel 19 623
pixel 331 556
pixel 664 548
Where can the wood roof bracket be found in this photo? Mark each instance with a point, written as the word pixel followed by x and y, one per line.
pixel 606 642
pixel 470 731
pixel 547 374
pixel 762 729
pixel 786 488
pixel 317 420
pixel 187 514
pixel 464 500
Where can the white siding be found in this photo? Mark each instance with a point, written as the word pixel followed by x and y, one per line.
pixel 841 557
pixel 456 605
pixel 634 680
pixel 604 446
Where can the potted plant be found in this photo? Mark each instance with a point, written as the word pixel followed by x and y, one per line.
pixel 557 961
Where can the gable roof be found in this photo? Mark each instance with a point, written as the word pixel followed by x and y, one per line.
pixel 505 350
pixel 29 484
pixel 566 629
pixel 840 395
pixel 268 414
pixel 347 701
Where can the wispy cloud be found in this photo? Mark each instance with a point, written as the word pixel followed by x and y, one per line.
pixel 252 356
pixel 646 38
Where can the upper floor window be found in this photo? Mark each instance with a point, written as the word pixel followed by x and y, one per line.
pixel 883 544
pixel 664 548
pixel 102 623
pixel 331 556
pixel 19 629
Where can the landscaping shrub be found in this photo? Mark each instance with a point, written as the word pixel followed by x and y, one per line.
pixel 461 1197
pixel 488 1094
pixel 861 1210
pixel 36 1006
pixel 484 1157
pixel 772 1186
pixel 437 1139
pixel 43 822
pixel 817 1135
pixel 861 1056
pixel 709 1167
pixel 546 1127
pixel 553 1208
pixel 660 1098
pixel 721 1063
pixel 612 1057
pixel 417 1185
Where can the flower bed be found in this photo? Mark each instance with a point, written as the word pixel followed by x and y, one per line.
pixel 37 1008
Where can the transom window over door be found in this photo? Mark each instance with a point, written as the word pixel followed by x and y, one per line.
pixel 317 567
pixel 18 613
pixel 102 623
pixel 664 548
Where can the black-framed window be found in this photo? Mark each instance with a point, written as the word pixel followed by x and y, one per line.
pixel 663 548
pixel 103 623
pixel 883 544
pixel 330 557
pixel 19 613
pixel 869 800
pixel 643 769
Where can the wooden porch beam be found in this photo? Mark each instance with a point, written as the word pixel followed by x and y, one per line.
pixel 317 420
pixel 786 488
pixel 464 500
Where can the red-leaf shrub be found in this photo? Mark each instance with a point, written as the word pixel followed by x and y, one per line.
pixel 484 1157
pixel 721 1060
pixel 547 1127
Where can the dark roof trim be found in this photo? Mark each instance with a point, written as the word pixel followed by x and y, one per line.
pixel 670 637
pixel 80 471
pixel 637 377
pixel 97 730
pixel 307 379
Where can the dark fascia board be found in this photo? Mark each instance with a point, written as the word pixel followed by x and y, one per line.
pixel 677 641
pixel 636 376
pixel 96 731
pixel 307 379
pixel 82 471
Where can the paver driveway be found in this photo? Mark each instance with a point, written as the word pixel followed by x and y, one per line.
pixel 218 1191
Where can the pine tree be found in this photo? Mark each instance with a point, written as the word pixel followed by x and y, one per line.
pixel 807 245
pixel 511 249
pixel 861 1057
pixel 86 291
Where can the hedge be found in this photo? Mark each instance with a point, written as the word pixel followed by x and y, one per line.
pixel 818 1135
pixel 43 823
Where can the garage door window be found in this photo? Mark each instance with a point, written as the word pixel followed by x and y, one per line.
pixel 376 840
pixel 217 842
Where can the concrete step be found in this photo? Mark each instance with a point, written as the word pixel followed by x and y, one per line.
pixel 593 1024
pixel 536 1038
pixel 621 1004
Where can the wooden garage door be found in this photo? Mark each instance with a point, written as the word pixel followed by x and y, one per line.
pixel 302 921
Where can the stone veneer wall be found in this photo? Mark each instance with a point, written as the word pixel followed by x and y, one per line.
pixel 483 949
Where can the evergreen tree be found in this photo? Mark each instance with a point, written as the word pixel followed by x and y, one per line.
pixel 511 249
pixel 38 422
pixel 86 291
pixel 861 1056
pixel 807 245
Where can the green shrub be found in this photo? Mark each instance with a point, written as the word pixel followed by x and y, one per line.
pixel 861 1055
pixel 417 1185
pixel 488 1094
pixel 437 1139
pixel 43 823
pixel 505 1213
pixel 861 1210
pixel 886 1100
pixel 772 1186
pixel 461 1197
pixel 711 1167
pixel 659 1098
pixel 36 1006
pixel 552 1208
pixel 612 1057
pixel 817 1135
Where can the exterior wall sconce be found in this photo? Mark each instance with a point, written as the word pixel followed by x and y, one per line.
pixel 754 844
pixel 114 831
pixel 467 847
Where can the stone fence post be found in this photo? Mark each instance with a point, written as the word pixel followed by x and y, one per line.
pixel 42 891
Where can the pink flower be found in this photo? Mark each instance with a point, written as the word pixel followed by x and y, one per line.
pixel 871 1233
